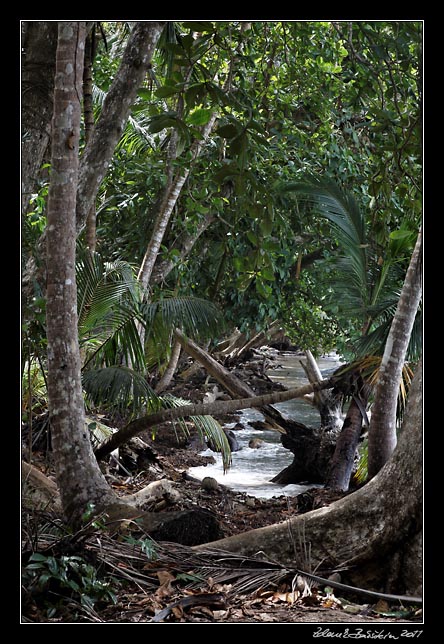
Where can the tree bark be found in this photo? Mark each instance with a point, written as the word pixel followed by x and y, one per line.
pixel 171 368
pixel 185 245
pixel 39 45
pixel 374 533
pixel 342 462
pixel 107 131
pixel 78 476
pixel 328 403
pixel 219 407
pixel 236 387
pixel 88 114
pixel 382 433
pixel 166 208
pixel 114 115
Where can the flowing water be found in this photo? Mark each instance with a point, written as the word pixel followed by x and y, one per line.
pixel 252 469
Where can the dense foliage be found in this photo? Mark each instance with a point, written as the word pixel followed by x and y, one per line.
pixel 336 100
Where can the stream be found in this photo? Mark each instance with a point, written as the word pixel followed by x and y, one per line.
pixel 252 469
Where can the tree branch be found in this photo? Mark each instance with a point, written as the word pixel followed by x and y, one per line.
pixel 202 409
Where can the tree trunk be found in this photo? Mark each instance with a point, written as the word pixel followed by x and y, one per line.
pixel 171 368
pixel 39 45
pixel 107 131
pixel 374 534
pixel 382 433
pixel 185 245
pixel 236 387
pixel 343 460
pixel 78 475
pixel 312 448
pixel 88 112
pixel 201 409
pixel 114 114
pixel 328 403
pixel 166 208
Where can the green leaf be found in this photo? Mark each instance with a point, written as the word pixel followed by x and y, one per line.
pixel 263 289
pixel 252 237
pixel 200 116
pixel 37 556
pixel 144 93
pixel 400 234
pixel 199 26
pixel 161 122
pixel 267 274
pixel 266 225
pixel 227 131
pixel 167 90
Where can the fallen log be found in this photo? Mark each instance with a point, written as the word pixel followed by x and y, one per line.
pixel 219 407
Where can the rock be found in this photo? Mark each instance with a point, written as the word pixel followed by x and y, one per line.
pixel 255 443
pixel 155 492
pixel 232 440
pixel 209 484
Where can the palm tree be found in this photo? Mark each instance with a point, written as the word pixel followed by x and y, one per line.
pixel 366 288
pixel 110 308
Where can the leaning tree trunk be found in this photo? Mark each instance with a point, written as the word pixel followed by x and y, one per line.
pixel 167 205
pixel 382 433
pixel 114 114
pixel 78 475
pixel 171 368
pixel 328 403
pixel 107 131
pixel 373 535
pixel 344 457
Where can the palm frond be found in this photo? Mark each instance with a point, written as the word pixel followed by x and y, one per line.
pixel 374 342
pixel 108 307
pixel 342 211
pixel 100 285
pixel 195 316
pixel 207 428
pixel 136 138
pixel 119 387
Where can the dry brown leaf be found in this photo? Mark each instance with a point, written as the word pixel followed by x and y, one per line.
pixel 220 614
pixel 381 606
pixel 177 611
pixel 165 579
pixel 266 617
pixel 199 610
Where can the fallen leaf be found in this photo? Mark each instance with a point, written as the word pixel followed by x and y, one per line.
pixel 381 606
pixel 165 579
pixel 266 617
pixel 220 614
pixel 177 611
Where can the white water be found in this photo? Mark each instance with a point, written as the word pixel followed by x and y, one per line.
pixel 252 469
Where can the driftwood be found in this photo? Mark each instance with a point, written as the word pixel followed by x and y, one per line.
pixel 39 491
pixel 312 448
pixel 187 527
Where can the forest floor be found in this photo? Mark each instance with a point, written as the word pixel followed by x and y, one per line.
pixel 168 596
